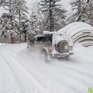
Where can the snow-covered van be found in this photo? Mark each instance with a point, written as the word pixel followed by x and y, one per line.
pixel 52 45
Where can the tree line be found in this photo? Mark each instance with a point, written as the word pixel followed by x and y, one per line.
pixel 19 25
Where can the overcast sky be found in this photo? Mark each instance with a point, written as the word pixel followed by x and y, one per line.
pixel 29 3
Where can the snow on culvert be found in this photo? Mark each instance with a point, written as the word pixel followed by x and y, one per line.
pixel 79 29
pixel 31 75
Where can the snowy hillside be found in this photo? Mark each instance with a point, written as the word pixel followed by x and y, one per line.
pixel 22 71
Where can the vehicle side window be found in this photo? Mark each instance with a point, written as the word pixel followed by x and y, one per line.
pixel 40 40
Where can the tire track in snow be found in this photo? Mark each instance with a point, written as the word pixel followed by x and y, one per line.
pixel 67 66
pixel 75 70
pixel 12 56
pixel 72 68
pixel 2 59
pixel 77 74
pixel 31 78
pixel 62 81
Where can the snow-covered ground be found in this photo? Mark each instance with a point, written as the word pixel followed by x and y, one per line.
pixel 22 71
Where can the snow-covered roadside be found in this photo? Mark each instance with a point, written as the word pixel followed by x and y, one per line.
pixel 25 72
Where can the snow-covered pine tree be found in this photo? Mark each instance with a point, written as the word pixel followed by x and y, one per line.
pixel 25 28
pixel 33 24
pixel 6 26
pixel 37 14
pixel 16 8
pixel 21 11
pixel 47 5
pixel 8 5
pixel 81 10
pixel 52 12
pixel 90 11
pixel 59 18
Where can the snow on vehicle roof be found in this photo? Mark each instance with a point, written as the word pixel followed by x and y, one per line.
pixel 40 35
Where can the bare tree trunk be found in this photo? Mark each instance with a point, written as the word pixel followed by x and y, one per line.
pixel 19 26
pixel 51 18
pixel 88 1
pixel 10 12
pixel 79 11
pixel 25 37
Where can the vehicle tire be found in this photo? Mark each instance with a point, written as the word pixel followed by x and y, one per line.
pixel 44 56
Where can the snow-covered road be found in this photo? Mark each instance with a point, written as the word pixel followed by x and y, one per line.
pixel 22 71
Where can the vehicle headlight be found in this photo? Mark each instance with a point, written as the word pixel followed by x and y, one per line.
pixel 62 46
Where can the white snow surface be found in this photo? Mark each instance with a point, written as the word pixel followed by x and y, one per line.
pixel 23 71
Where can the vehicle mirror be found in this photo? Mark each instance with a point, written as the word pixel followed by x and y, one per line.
pixel 48 32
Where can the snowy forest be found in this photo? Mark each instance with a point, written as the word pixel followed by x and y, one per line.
pixel 18 25
pixel 46 46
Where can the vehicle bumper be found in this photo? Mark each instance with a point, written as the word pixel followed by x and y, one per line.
pixel 62 55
